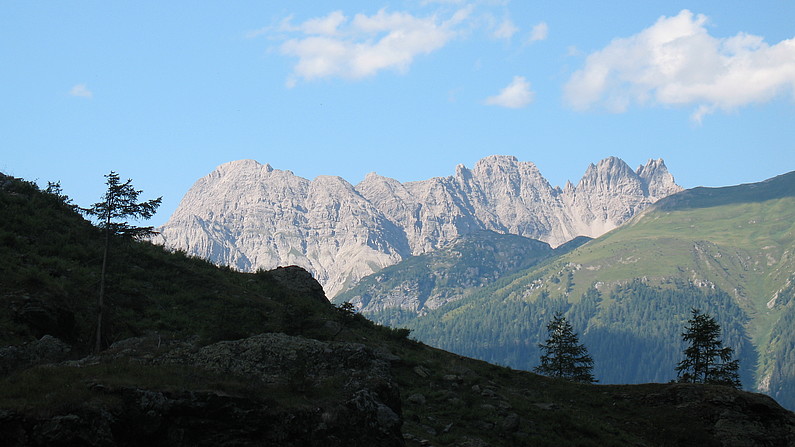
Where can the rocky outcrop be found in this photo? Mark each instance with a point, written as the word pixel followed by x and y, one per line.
pixel 731 417
pixel 47 349
pixel 360 404
pixel 251 216
pixel 157 418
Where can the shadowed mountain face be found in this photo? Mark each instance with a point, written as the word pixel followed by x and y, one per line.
pixel 251 216
pixel 420 284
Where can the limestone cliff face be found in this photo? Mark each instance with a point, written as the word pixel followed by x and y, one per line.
pixel 250 216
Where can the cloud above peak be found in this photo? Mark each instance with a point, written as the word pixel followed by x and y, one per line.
pixel 516 95
pixel 677 62
pixel 81 91
pixel 336 46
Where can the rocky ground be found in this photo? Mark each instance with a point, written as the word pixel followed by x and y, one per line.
pixel 275 389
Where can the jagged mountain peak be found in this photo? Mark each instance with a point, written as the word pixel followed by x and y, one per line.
pixel 497 159
pixel 651 166
pixel 462 173
pixel 606 170
pixel 331 181
pixel 502 163
pixel 373 176
pixel 251 216
pixel 240 166
pixel 659 181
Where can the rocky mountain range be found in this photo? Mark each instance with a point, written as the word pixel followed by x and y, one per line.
pixel 251 216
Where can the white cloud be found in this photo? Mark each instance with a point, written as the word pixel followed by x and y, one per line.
pixel 505 30
pixel 573 51
pixel 539 32
pixel 324 25
pixel 334 46
pixel 677 62
pixel 81 91
pixel 515 96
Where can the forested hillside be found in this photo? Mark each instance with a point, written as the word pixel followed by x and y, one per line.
pixel 420 284
pixel 728 251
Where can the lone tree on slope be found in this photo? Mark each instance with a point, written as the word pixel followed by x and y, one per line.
pixel 706 361
pixel 562 354
pixel 119 202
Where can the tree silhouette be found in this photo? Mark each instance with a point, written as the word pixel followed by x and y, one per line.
pixel 706 360
pixel 119 202
pixel 562 354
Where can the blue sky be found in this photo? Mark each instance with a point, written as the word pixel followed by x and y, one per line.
pixel 162 92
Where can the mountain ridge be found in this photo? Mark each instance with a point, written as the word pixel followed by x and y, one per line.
pixel 251 216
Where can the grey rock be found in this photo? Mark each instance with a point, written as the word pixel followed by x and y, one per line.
pixel 416 399
pixel 251 216
pixel 510 422
pixel 47 349
pixel 422 371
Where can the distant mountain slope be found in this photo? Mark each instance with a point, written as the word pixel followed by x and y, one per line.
pixel 729 251
pixel 419 284
pixel 250 216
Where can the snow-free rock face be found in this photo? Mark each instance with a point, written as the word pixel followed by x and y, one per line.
pixel 251 216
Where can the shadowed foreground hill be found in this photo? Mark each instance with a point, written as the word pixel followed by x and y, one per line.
pixel 209 356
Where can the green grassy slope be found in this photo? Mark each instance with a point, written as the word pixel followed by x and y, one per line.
pixel 730 251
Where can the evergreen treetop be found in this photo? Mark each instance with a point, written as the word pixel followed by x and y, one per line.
pixel 706 360
pixel 562 354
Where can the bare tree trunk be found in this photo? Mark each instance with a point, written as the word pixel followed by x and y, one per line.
pixel 101 310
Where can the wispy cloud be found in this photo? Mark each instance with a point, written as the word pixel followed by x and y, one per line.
pixel 81 91
pixel 337 46
pixel 505 30
pixel 677 62
pixel 539 32
pixel 515 96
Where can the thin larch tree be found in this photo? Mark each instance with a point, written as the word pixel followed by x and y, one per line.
pixel 119 202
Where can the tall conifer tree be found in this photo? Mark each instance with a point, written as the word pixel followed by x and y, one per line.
pixel 706 360
pixel 562 354
pixel 119 202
